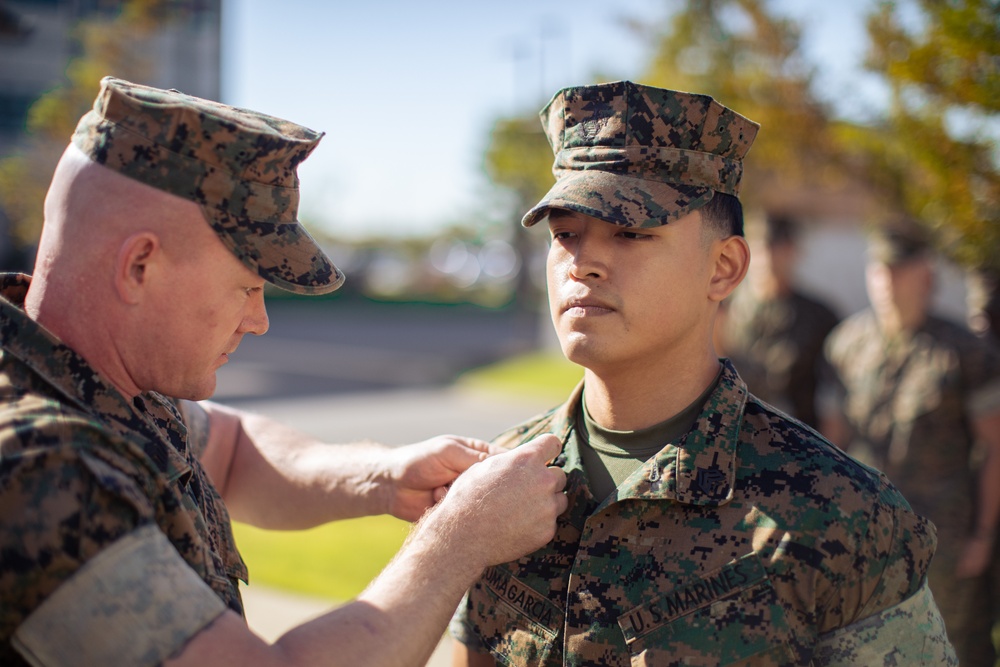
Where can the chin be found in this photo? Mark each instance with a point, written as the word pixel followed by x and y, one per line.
pixel 580 351
pixel 198 392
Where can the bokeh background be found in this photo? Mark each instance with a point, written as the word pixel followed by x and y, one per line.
pixel 433 150
pixel 870 111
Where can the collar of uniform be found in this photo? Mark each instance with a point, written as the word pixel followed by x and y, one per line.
pixel 558 421
pixel 698 470
pixel 70 375
pixel 701 468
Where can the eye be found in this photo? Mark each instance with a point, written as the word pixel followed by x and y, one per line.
pixel 634 236
pixel 561 234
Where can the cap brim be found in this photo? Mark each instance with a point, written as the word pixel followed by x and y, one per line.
pixel 283 254
pixel 621 200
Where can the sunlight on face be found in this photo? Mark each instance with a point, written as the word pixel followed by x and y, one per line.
pixel 627 296
pixel 203 305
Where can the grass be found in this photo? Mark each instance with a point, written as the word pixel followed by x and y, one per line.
pixel 334 561
pixel 544 375
pixel 337 561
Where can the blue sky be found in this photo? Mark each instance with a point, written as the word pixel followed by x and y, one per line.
pixel 407 90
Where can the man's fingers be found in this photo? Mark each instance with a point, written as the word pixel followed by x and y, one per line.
pixel 477 444
pixel 458 452
pixel 439 493
pixel 545 447
pixel 562 501
pixel 559 478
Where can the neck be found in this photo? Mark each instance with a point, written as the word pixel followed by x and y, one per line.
pixel 70 315
pixel 643 397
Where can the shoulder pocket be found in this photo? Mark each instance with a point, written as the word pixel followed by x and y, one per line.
pixel 723 617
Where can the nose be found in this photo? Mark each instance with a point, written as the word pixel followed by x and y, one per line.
pixel 256 321
pixel 589 258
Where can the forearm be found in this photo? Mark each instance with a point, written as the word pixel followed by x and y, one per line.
pixel 500 509
pixel 411 602
pixel 396 622
pixel 274 476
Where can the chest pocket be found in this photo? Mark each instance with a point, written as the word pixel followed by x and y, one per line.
pixel 516 621
pixel 730 616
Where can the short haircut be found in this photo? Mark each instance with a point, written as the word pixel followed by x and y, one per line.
pixel 723 215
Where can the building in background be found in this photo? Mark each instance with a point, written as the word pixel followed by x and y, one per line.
pixel 39 39
pixel 832 245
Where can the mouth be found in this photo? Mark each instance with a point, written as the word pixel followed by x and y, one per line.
pixel 586 306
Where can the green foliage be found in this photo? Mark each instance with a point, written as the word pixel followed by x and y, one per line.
pixel 519 158
pixel 951 56
pixel 935 154
pixel 751 60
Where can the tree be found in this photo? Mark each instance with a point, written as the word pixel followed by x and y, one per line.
pixel 751 60
pixel 935 153
pixel 519 159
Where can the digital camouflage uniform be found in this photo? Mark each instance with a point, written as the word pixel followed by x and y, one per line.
pixel 751 541
pixel 909 402
pixel 777 345
pixel 83 471
pixel 116 549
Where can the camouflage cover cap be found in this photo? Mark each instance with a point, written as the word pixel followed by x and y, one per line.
pixel 239 165
pixel 640 156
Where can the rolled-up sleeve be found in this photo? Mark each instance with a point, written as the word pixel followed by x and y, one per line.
pixel 136 603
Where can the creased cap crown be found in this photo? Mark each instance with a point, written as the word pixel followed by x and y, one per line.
pixel 639 156
pixel 238 165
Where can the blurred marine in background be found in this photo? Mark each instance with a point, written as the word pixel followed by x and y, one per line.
pixel 772 332
pixel 922 404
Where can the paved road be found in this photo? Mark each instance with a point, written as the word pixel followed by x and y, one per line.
pixel 327 346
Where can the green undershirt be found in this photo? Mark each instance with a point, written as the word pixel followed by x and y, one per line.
pixel 609 457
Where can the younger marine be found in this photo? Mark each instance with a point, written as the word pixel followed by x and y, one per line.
pixel 704 526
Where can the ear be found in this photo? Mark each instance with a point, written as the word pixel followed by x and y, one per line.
pixel 731 257
pixel 136 256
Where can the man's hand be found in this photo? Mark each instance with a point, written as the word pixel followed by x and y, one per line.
pixel 504 506
pixel 419 474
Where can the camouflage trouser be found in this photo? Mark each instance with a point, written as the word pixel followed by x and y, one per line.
pixel 966 607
